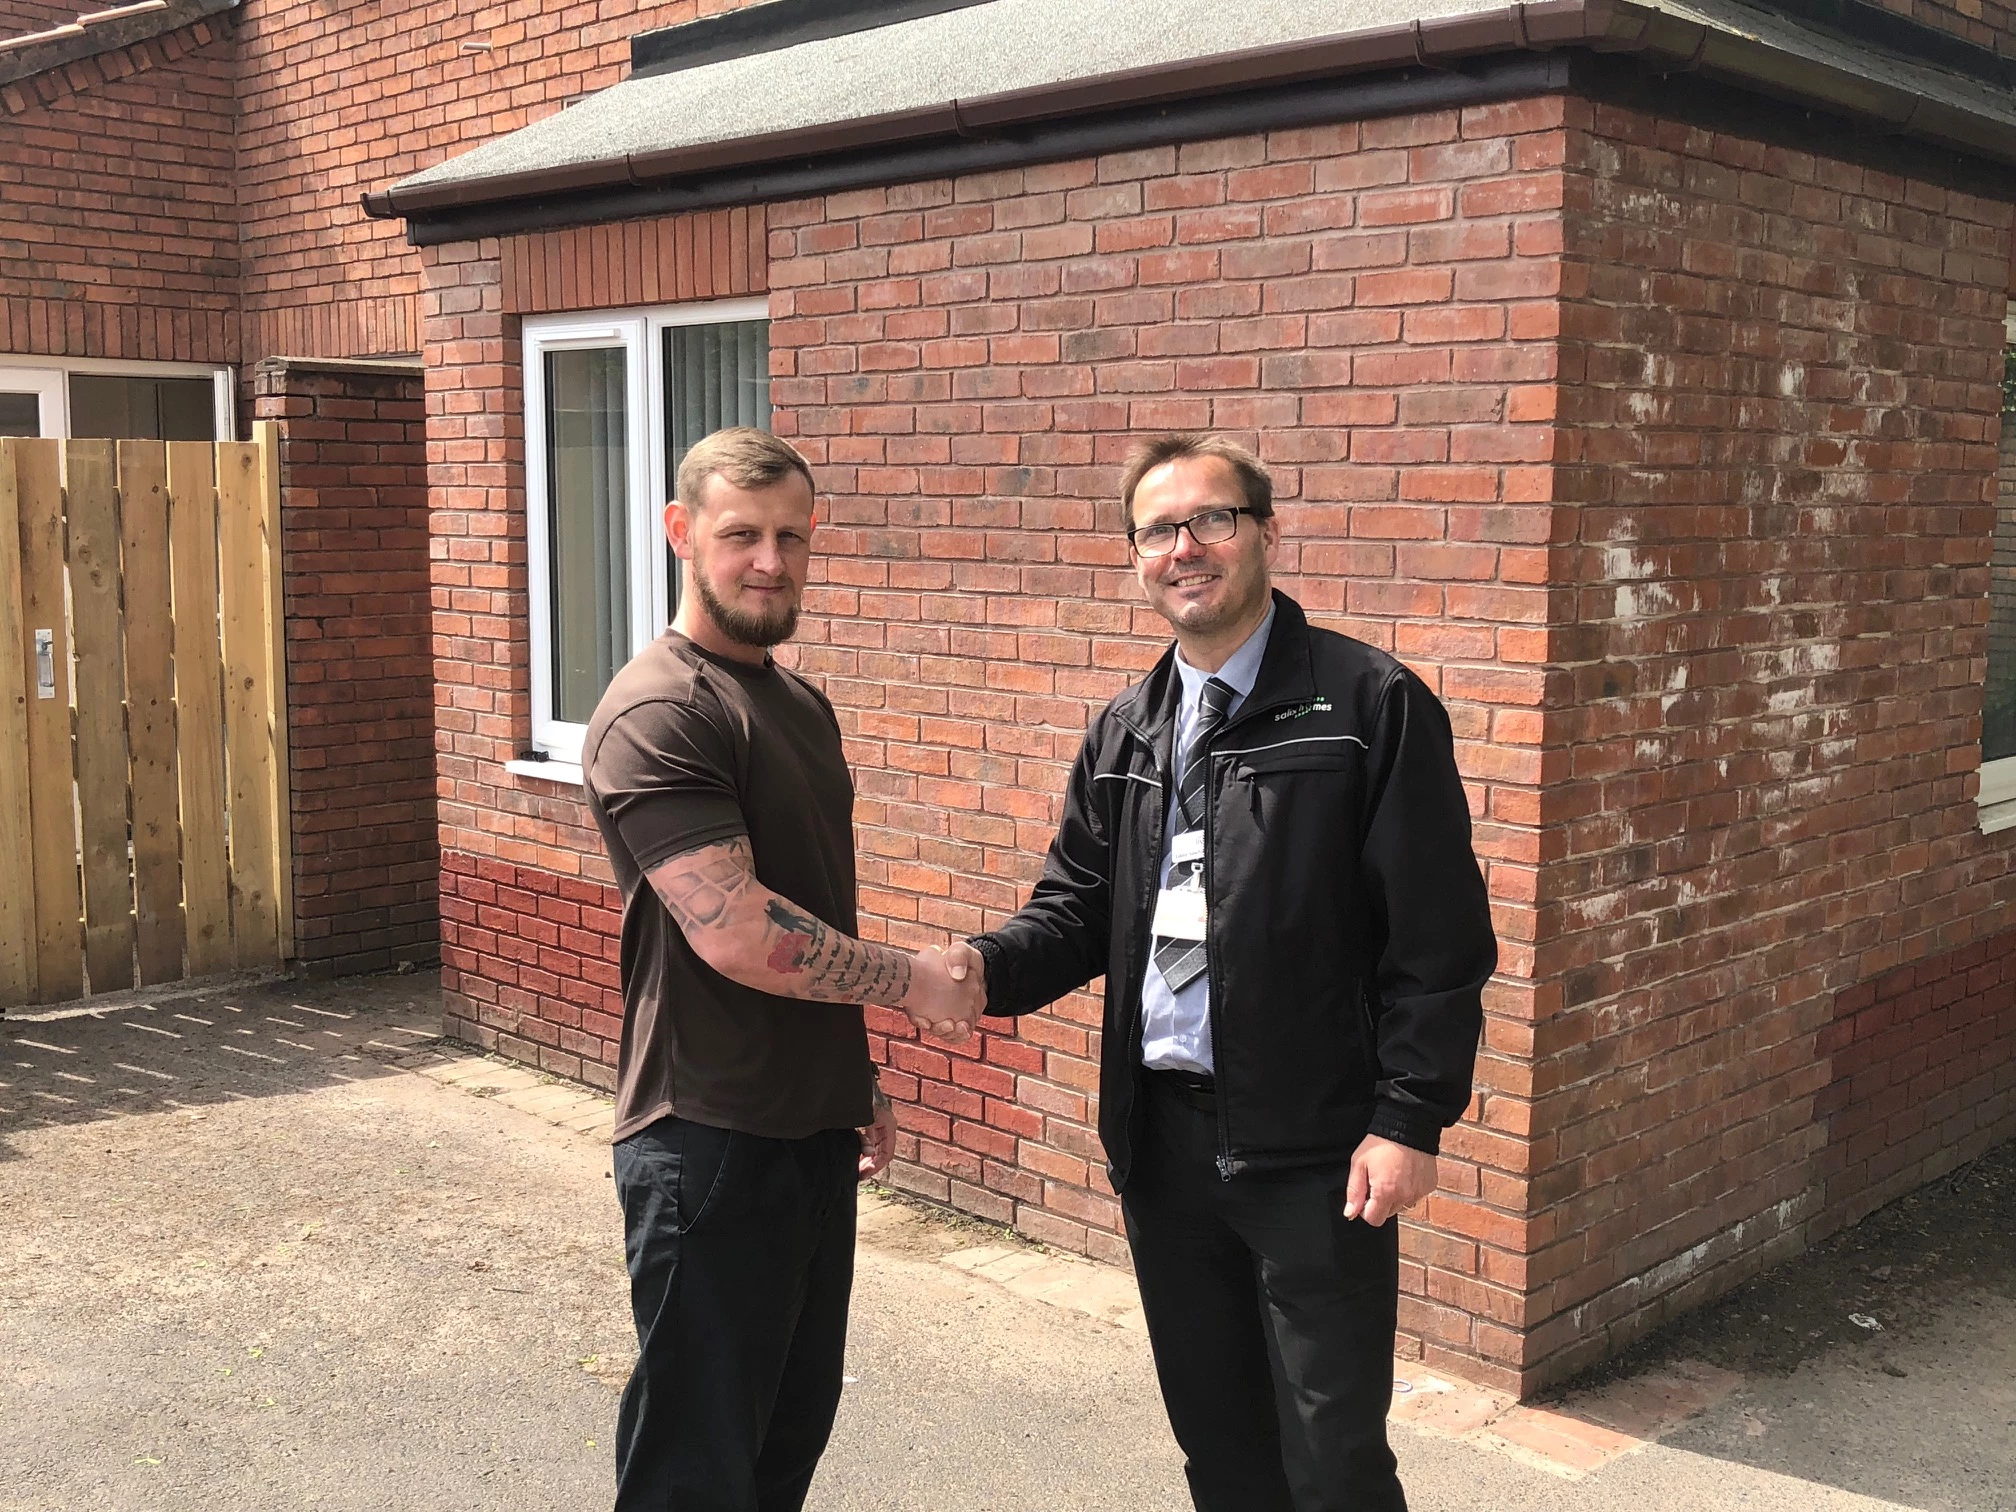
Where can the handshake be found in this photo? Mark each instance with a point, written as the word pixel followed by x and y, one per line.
pixel 948 991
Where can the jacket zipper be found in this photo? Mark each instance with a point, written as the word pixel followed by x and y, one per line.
pixel 1211 992
pixel 1226 1168
pixel 1136 978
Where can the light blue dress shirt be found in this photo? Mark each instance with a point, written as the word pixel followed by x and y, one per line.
pixel 1176 1026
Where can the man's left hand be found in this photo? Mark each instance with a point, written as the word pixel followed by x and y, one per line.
pixel 878 1142
pixel 1386 1178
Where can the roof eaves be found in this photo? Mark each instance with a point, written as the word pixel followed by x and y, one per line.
pixel 98 32
pixel 1725 40
pixel 1538 25
pixel 1365 96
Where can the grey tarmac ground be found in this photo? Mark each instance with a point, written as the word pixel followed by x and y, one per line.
pixel 269 1246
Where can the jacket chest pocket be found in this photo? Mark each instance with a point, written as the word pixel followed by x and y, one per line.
pixel 1311 786
pixel 1341 755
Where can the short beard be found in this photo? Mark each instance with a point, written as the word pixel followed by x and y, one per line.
pixel 744 629
pixel 1228 611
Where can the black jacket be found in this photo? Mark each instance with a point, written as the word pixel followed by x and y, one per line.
pixel 1350 935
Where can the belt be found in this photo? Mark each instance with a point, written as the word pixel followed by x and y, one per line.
pixel 1194 1082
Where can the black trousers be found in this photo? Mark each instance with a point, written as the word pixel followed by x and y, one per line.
pixel 741 1255
pixel 1271 1318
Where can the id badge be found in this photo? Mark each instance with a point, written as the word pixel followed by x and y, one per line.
pixel 1180 913
pixel 1180 909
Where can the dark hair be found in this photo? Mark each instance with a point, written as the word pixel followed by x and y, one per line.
pixel 745 456
pixel 1149 455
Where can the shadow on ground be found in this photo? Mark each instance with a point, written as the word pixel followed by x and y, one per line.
pixel 249 1262
pixel 197 1045
pixel 1882 1361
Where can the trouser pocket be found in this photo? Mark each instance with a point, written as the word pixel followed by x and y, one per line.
pixel 669 1177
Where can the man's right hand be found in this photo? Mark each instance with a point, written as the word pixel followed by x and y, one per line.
pixel 948 992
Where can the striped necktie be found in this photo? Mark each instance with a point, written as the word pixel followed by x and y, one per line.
pixel 1181 962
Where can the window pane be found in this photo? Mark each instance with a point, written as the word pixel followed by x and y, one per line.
pixel 144 409
pixel 188 409
pixel 1998 716
pixel 101 406
pixel 20 415
pixel 715 376
pixel 587 489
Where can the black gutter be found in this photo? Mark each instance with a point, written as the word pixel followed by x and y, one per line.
pixel 1272 109
pixel 767 27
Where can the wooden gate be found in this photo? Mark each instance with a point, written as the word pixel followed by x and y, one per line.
pixel 143 760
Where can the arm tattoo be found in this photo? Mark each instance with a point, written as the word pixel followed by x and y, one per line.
pixel 713 890
pixel 837 967
pixel 702 887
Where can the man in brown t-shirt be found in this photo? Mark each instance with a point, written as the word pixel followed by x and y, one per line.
pixel 746 1107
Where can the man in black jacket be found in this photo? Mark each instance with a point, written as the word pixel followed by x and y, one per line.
pixel 1266 852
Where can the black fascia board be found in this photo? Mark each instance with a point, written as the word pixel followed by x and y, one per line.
pixel 1859 21
pixel 769 26
pixel 1361 97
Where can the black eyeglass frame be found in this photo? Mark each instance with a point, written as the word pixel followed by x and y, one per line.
pixel 1179 526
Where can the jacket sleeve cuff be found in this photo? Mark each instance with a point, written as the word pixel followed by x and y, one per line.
pixel 996 966
pixel 1408 1124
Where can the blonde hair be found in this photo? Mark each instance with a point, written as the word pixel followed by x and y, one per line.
pixel 745 456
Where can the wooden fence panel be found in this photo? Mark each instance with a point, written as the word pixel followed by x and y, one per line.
pixel 199 704
pixel 59 899
pixel 93 510
pixel 17 686
pixel 143 737
pixel 248 702
pixel 150 710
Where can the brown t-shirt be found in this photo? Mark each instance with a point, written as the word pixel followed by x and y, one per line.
pixel 687 749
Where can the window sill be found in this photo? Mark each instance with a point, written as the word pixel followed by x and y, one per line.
pixel 1997 816
pixel 1995 803
pixel 568 773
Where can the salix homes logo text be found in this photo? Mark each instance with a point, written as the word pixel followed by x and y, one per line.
pixel 1320 706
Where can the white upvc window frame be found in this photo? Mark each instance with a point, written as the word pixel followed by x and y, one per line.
pixel 50 388
pixel 1995 802
pixel 640 332
pixel 50 378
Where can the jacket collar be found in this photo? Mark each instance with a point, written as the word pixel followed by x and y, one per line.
pixel 1286 676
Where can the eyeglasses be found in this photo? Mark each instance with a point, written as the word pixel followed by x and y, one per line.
pixel 1206 529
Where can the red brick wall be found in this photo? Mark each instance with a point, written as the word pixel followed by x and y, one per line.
pixel 1779 417
pixel 529 923
pixel 118 229
pixel 360 673
pixel 341 99
pixel 19 17
pixel 1924 1074
pixel 1985 23
pixel 124 178
pixel 1374 308
pixel 1665 456
pixel 965 362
